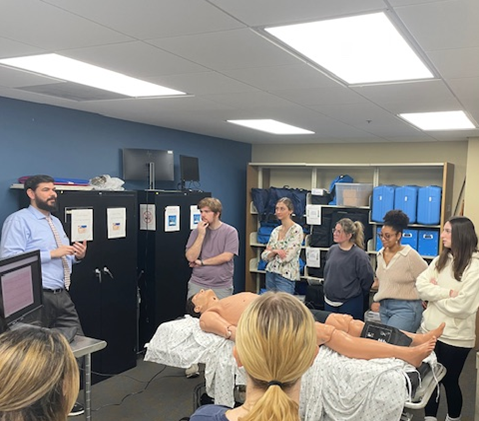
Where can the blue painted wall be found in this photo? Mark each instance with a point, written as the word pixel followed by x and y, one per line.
pixel 37 138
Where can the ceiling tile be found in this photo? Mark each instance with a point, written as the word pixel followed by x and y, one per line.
pixel 226 50
pixel 278 12
pixel 50 28
pixel 442 25
pixel 136 59
pixel 147 19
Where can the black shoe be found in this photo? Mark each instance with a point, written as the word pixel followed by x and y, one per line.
pixel 77 409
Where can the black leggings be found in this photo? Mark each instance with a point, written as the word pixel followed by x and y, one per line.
pixel 453 359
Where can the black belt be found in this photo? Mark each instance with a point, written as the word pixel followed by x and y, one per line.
pixel 54 291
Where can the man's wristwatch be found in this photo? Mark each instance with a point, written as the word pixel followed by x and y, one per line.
pixel 202 263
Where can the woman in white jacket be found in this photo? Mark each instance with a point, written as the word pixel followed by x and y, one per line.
pixel 450 285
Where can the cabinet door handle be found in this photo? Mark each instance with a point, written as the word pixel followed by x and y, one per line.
pixel 98 274
pixel 107 271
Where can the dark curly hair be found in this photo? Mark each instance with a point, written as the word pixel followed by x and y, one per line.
pixel 190 308
pixel 397 220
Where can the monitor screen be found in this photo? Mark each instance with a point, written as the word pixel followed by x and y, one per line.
pixel 189 168
pixel 136 164
pixel 21 296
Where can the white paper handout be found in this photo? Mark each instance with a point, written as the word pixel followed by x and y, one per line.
pixel 147 217
pixel 313 214
pixel 312 257
pixel 172 218
pixel 116 222
pixel 195 216
pixel 82 224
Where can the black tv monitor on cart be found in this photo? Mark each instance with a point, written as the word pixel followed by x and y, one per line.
pixel 21 296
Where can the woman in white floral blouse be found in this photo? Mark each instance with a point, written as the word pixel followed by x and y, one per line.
pixel 282 251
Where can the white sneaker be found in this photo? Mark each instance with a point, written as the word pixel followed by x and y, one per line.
pixel 193 371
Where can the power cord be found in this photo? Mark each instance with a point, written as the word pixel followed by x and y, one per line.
pixel 129 394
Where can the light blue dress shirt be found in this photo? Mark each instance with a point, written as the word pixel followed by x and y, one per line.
pixel 27 230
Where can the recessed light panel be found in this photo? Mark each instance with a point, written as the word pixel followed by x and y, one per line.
pixel 357 49
pixel 270 126
pixel 71 70
pixel 446 120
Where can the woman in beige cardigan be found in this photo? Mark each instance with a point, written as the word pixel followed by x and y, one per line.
pixel 398 267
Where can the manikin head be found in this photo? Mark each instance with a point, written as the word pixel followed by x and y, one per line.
pixel 197 304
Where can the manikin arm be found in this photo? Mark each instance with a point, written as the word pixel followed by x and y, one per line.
pixel 212 322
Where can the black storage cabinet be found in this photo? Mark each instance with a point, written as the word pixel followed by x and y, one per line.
pixel 163 268
pixel 104 285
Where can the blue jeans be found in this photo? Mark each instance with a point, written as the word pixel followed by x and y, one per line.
pixel 403 314
pixel 276 282
pixel 354 307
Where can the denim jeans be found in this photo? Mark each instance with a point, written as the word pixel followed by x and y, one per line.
pixel 354 307
pixel 276 282
pixel 403 314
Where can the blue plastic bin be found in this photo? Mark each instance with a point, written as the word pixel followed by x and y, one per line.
pixel 379 244
pixel 428 243
pixel 405 199
pixel 429 205
pixel 382 202
pixel 409 237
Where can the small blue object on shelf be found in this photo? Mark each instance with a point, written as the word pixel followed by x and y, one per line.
pixel 379 243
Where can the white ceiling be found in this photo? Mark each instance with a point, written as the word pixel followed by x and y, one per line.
pixel 212 50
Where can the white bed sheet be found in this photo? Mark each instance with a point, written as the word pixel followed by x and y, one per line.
pixel 334 388
pixel 181 343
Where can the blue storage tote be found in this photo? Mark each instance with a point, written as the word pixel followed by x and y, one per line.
pixel 379 243
pixel 405 199
pixel 429 205
pixel 409 237
pixel 428 243
pixel 382 202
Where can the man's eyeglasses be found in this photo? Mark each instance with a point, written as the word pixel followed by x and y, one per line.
pixel 385 236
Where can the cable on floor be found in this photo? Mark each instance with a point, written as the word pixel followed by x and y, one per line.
pixel 132 393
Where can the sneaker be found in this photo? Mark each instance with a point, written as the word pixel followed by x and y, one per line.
pixel 77 409
pixel 192 372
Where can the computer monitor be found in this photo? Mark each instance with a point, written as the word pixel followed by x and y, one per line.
pixel 21 296
pixel 148 164
pixel 189 169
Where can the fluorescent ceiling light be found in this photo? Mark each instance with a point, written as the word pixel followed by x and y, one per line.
pixel 270 126
pixel 65 68
pixel 446 120
pixel 358 49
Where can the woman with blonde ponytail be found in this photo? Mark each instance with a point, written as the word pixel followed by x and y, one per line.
pixel 39 375
pixel 276 343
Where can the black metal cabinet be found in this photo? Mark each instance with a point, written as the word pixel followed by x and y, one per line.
pixel 163 268
pixel 104 285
